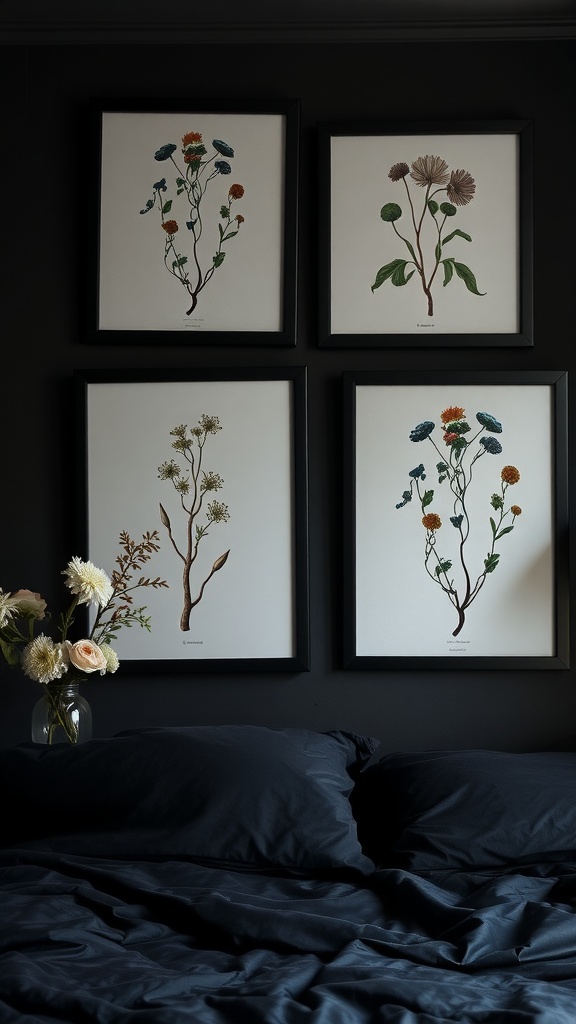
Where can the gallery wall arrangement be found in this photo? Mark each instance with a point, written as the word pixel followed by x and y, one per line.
pixel 304 308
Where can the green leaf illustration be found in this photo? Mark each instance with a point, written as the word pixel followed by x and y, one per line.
pixel 218 259
pixel 180 262
pixel 167 206
pixel 395 270
pixel 507 529
pixel 491 562
pixel 443 567
pixel 411 251
pixel 399 277
pixel 428 498
pixel 466 275
pixel 461 234
pixel 448 271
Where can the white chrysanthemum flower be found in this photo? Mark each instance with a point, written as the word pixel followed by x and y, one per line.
pixel 112 660
pixel 7 609
pixel 43 660
pixel 88 581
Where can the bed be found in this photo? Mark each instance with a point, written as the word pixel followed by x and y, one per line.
pixel 238 874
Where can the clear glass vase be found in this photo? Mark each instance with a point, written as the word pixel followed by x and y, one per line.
pixel 62 715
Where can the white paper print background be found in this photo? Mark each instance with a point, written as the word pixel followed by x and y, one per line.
pixel 136 290
pixel 362 242
pixel 247 608
pixel 400 610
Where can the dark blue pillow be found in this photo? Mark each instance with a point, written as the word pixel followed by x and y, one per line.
pixel 238 796
pixel 467 808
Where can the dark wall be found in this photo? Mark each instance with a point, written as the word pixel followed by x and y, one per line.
pixel 46 202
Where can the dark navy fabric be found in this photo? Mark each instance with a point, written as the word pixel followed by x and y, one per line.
pixel 97 941
pixel 468 808
pixel 239 796
pixel 97 936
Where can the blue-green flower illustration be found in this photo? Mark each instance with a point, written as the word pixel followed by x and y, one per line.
pixel 490 422
pixel 223 148
pixel 421 432
pixel 165 152
pixel 491 445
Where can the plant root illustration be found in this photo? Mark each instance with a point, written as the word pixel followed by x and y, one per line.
pixel 191 184
pixel 456 473
pixel 430 173
pixel 192 484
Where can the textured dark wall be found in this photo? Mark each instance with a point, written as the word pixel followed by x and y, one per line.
pixel 45 204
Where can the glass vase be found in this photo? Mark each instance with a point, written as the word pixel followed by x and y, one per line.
pixel 62 715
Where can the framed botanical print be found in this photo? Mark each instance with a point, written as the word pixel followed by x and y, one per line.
pixel 214 461
pixel 456 520
pixel 193 222
pixel 426 234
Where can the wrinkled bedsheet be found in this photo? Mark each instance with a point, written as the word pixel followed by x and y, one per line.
pixel 95 941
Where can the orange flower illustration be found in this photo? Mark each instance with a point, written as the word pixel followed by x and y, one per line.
pixel 431 521
pixel 510 475
pixel 453 412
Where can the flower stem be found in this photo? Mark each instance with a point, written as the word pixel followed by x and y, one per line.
pixel 57 718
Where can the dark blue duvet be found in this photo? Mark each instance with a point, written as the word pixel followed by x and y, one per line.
pixel 99 941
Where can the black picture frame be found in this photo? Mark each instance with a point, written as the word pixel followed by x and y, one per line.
pixel 391 609
pixel 132 293
pixel 259 620
pixel 361 257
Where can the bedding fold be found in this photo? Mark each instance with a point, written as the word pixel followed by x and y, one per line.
pixel 103 941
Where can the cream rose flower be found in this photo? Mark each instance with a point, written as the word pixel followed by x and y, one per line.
pixel 28 603
pixel 86 656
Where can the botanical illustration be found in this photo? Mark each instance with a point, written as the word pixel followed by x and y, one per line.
pixel 193 485
pixel 456 473
pixel 189 262
pixel 431 174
